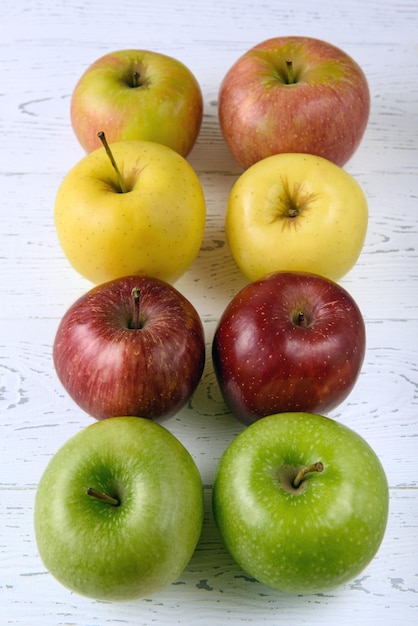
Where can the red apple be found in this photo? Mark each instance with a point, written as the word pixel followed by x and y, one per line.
pixel 294 94
pixel 133 346
pixel 291 341
pixel 137 95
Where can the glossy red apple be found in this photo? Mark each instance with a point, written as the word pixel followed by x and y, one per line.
pixel 294 94
pixel 132 346
pixel 288 342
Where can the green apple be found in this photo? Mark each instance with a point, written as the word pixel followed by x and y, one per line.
pixel 301 502
pixel 137 94
pixel 296 212
pixel 119 510
pixel 132 207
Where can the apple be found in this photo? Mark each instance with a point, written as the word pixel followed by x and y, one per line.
pixel 296 212
pixel 291 341
pixel 119 510
pixel 294 94
pixel 137 94
pixel 131 346
pixel 301 502
pixel 131 207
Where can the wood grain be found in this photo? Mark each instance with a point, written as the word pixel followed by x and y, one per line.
pixel 44 48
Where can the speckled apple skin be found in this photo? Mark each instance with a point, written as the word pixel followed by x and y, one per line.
pixel 311 539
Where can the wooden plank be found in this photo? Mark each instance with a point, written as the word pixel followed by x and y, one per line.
pixel 44 49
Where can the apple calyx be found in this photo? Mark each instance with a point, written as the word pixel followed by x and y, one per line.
pixel 102 496
pixel 137 322
pixel 121 182
pixel 301 475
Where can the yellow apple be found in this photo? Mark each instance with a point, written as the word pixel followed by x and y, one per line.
pixel 296 212
pixel 143 213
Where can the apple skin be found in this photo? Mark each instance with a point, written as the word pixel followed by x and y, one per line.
pixel 156 227
pixel 313 538
pixel 291 341
pixel 109 368
pixel 166 106
pixel 296 212
pixel 324 111
pixel 120 552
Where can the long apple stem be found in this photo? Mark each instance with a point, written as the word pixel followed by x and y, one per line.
pixel 102 496
pixel 290 73
pixel 103 139
pixel 136 320
pixel 315 467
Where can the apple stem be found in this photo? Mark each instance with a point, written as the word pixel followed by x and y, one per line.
pixel 102 496
pixel 103 139
pixel 301 320
pixel 315 467
pixel 290 73
pixel 136 76
pixel 136 320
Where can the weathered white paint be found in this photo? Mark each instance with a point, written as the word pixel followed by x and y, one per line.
pixel 44 47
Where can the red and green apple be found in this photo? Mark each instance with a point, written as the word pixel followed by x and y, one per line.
pixel 137 95
pixel 294 94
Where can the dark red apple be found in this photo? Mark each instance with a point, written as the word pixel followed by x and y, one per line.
pixel 291 341
pixel 133 346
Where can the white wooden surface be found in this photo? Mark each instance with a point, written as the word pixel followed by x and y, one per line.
pixel 44 47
